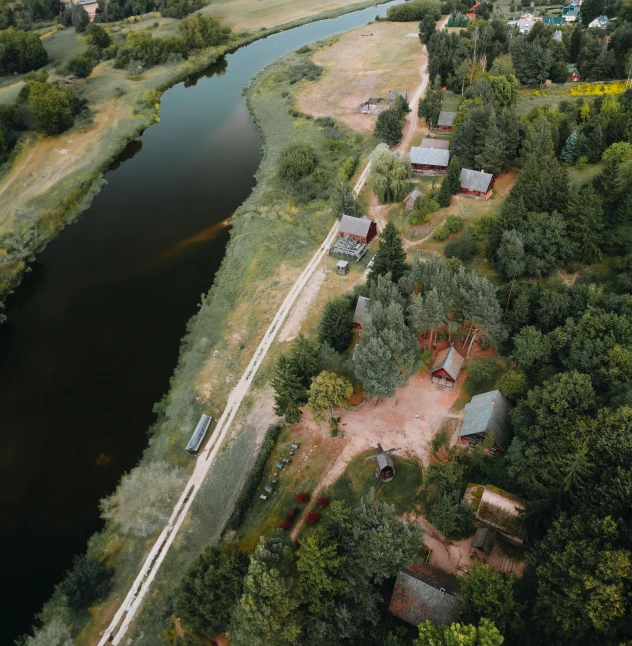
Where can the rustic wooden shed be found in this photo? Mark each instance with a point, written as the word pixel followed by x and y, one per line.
pixel 446 119
pixel 385 469
pixel 342 267
pixel 476 183
pixel 431 161
pixel 360 229
pixel 446 368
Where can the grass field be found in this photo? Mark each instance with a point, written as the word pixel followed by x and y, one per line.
pixel 63 44
pixel 553 94
pixel 359 67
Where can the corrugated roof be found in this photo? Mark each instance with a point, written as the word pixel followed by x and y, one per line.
pixel 429 156
pixel 423 592
pixel 474 180
pixel 429 142
pixel 355 226
pixel 450 360
pixel 361 314
pixel 198 434
pixel 501 510
pixel 446 118
pixel 488 413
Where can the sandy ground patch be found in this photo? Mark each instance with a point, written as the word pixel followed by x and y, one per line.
pixel 359 67
pixel 301 308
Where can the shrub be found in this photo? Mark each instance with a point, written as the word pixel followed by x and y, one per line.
pixel 312 517
pixel 304 50
pixel 20 52
pixel 581 162
pixel 454 223
pixel 87 581
pixel 80 65
pixel 463 248
pixel 50 107
pixel 480 371
pixel 296 161
pixel 285 524
pixel 303 69
pixel 303 498
pixel 97 36
pixel 358 395
pixel 323 502
pixel 414 11
pixel 348 167
pixel 441 233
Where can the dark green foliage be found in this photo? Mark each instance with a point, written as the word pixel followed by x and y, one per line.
pixel 480 371
pixel 463 248
pixel 289 393
pixel 430 106
pixel 114 10
pixel 452 516
pixel 344 201
pixel 336 324
pixel 304 69
pixel 388 127
pixel 79 18
pixel 533 61
pixel 11 124
pixel 88 581
pixel 454 223
pixel 97 36
pixel 390 256
pixel 50 107
pixel 203 31
pixel 209 590
pixel 427 28
pixel 80 65
pixel 414 11
pixel 296 161
pixel 20 52
pixel 304 359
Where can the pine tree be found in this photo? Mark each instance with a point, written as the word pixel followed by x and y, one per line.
pixel 417 317
pixel 343 200
pixel 568 152
pixel 585 224
pixel 453 175
pixel 304 360
pixel 388 127
pixel 289 393
pixel 595 145
pixel 492 157
pixel 336 324
pixel 445 194
pixel 430 106
pixel 390 255
pixel 435 313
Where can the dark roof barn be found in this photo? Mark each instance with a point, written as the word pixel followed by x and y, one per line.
pixel 429 156
pixel 446 119
pixel 474 180
pixel 488 413
pixel 450 361
pixel 355 226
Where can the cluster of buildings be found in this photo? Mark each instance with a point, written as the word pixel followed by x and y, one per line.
pixel 91 6
pixel 374 105
pixel 570 14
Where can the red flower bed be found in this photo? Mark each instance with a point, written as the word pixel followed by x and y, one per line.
pixel 302 498
pixel 312 517
pixel 323 502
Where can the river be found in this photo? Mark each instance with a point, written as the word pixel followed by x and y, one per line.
pixel 93 332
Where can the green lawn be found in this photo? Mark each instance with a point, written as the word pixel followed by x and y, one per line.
pixel 64 44
pixel 450 102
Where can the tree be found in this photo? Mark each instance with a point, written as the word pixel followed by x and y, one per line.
pixel 435 313
pixel 427 27
pixel 328 392
pixel 532 349
pixel 506 90
pixel 445 193
pixel 585 224
pixel 304 360
pixel 569 151
pixel 503 66
pixel 97 36
pixel 80 18
pixel 209 590
pixel 459 635
pixel 400 107
pixel 480 371
pixel 344 201
pixel 20 52
pixel 296 161
pixel 87 581
pixel 336 324
pixel 430 106
pixel 389 174
pixel 144 498
pixel 389 127
pixel 318 566
pixel 595 145
pixel 488 593
pixel 390 256
pixel 452 176
pixel 492 157
pixel 80 65
pixel 289 392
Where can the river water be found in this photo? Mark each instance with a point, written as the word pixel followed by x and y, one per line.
pixel 93 332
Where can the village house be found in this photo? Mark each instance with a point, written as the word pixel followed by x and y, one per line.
pixel 446 119
pixel 497 510
pixel 91 6
pixel 409 200
pixel 423 592
pixel 476 183
pixel 431 142
pixel 361 314
pixel 601 22
pixel 487 413
pixel 525 23
pixel 570 13
pixel 429 161
pixel 556 21
pixel 573 74
pixel 446 368
pixel 360 229
pixel 557 36
pixel 393 94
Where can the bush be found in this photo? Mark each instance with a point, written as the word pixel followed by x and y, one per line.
pixel 304 69
pixel 323 502
pixel 285 524
pixel 480 371
pixel 454 223
pixel 463 248
pixel 80 65
pixel 441 233
pixel 20 52
pixel 50 107
pixel 87 581
pixel 414 11
pixel 348 167
pixel 581 162
pixel 312 517
pixel 514 385
pixel 97 36
pixel 296 161
pixel 303 498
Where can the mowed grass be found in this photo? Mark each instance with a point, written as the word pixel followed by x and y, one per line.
pixel 359 480
pixel 358 67
pixel 64 44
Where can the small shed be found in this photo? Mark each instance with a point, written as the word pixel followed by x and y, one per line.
pixel 431 142
pixel 393 94
pixel 198 434
pixel 446 368
pixel 487 413
pixel 409 200
pixel 361 314
pixel 371 106
pixel 431 161
pixel 446 119
pixel 360 229
pixel 484 539
pixel 342 267
pixel 385 469
pixel 423 592
pixel 573 74
pixel 476 184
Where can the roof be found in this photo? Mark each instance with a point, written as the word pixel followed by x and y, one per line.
pixel 450 361
pixel 423 592
pixel 601 22
pixel 429 156
pixel 199 433
pixel 483 539
pixel 413 195
pixel 355 226
pixel 393 93
pixel 430 142
pixel 488 413
pixel 571 10
pixel 361 314
pixel 553 20
pixel 342 263
pixel 501 510
pixel 384 460
pixel 474 180
pixel 446 118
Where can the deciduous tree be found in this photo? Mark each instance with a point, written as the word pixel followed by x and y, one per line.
pixel 328 392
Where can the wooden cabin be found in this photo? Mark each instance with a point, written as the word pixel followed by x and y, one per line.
pixel 573 74
pixel 487 413
pixel 446 368
pixel 385 469
pixel 476 184
pixel 429 161
pixel 361 314
pixel 409 200
pixel 446 119
pixel 360 229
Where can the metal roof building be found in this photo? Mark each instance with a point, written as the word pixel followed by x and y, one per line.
pixel 448 361
pixel 423 592
pixel 429 157
pixel 430 142
pixel 476 181
pixel 361 314
pixel 198 435
pixel 488 413
pixel 446 119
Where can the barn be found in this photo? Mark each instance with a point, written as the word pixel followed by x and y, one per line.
pixel 487 413
pixel 476 183
pixel 360 229
pixel 446 119
pixel 447 367
pixel 431 142
pixel 430 161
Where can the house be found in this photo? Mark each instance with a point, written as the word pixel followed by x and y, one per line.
pixel 385 469
pixel 445 121
pixel 91 6
pixel 361 314
pixel 573 74
pixel 498 510
pixel 392 94
pixel 470 15
pixel 342 267
pixel 431 142
pixel 474 7
pixel 601 22
pixel 446 368
pixel 423 592
pixel 360 229
pixel 484 540
pixel 555 21
pixel 526 22
pixel 409 200
pixel 429 161
pixel 198 434
pixel 487 413
pixel 371 106
pixel 570 13
pixel 476 183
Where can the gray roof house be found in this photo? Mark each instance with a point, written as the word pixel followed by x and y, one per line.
pixel 423 592
pixel 476 182
pixel 430 142
pixel 446 119
pixel 355 226
pixel 488 413
pixel 361 314
pixel 429 158
pixel 392 94
pixel 447 366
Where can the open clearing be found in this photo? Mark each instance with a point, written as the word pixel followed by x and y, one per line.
pixel 359 67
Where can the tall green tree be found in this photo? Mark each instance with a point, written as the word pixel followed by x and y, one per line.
pixel 50 107
pixel 389 127
pixel 389 174
pixel 343 200
pixel 328 392
pixel 427 28
pixel 486 634
pixel 430 106
pixel 336 324
pixel 304 359
pixel 390 256
pixel 289 392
